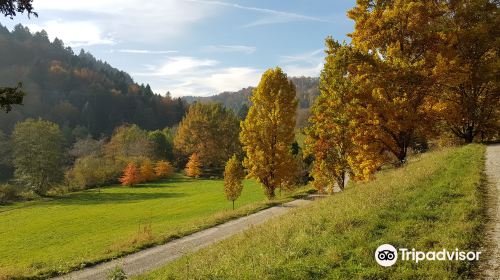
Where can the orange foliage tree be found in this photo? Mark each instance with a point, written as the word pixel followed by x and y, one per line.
pixel 131 175
pixel 193 167
pixel 163 169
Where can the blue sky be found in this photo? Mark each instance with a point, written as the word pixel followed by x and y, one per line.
pixel 197 47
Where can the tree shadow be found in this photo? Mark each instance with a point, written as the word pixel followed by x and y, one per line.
pixel 91 198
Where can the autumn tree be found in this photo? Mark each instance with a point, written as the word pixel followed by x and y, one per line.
pixel 163 169
pixel 211 131
pixel 333 132
pixel 147 172
pixel 468 69
pixel 193 167
pixel 267 133
pixel 233 179
pixel 396 40
pixel 131 175
pixel 129 143
pixel 38 154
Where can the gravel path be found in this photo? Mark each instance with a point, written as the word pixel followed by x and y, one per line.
pixel 155 257
pixel 491 267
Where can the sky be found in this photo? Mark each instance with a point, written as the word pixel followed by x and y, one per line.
pixel 196 47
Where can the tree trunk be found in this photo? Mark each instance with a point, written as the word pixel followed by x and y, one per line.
pixel 469 135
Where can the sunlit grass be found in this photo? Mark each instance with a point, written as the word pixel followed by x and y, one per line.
pixel 432 203
pixel 61 234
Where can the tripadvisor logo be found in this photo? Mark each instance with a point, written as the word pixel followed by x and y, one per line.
pixel 387 255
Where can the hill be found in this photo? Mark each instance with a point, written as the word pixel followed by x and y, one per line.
pixel 307 91
pixel 76 91
pixel 432 203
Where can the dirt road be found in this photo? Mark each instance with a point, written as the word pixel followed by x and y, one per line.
pixel 158 256
pixel 491 268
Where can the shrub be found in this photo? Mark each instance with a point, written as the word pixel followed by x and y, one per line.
pixel 116 273
pixel 8 193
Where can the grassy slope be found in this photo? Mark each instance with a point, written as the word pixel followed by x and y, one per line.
pixel 46 237
pixel 430 204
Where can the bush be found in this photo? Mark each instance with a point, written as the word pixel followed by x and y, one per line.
pixel 8 193
pixel 91 171
pixel 116 273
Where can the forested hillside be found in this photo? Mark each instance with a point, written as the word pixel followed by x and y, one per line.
pixel 78 92
pixel 307 91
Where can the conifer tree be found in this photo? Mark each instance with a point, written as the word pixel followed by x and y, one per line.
pixel 267 133
pixel 233 179
pixel 193 167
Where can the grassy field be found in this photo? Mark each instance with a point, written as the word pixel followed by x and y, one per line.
pixel 43 238
pixel 434 202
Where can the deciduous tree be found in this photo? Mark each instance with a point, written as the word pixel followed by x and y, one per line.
pixel 147 171
pixel 397 40
pixel 193 167
pixel 211 131
pixel 333 134
pixel 267 133
pixel 131 175
pixel 163 169
pixel 38 154
pixel 233 179
pixel 467 72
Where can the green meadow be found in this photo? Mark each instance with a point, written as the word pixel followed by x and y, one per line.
pixel 431 203
pixel 56 235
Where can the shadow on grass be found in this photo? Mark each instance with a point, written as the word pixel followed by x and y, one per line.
pixel 89 198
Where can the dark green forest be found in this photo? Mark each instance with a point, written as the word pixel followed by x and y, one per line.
pixel 80 93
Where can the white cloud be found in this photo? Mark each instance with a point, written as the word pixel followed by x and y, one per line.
pixel 74 33
pixel 134 51
pixel 196 76
pixel 130 20
pixel 229 48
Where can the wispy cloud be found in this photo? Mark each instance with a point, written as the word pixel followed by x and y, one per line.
pixel 229 48
pixel 305 64
pixel 134 51
pixel 273 16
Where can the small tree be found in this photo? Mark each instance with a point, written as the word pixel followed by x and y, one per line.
pixel 130 176
pixel 163 169
pixel 233 177
pixel 193 167
pixel 147 171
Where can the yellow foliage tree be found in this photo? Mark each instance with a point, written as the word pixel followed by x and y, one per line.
pixel 193 167
pixel 396 41
pixel 147 171
pixel 332 136
pixel 467 69
pixel 163 169
pixel 233 179
pixel 267 132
